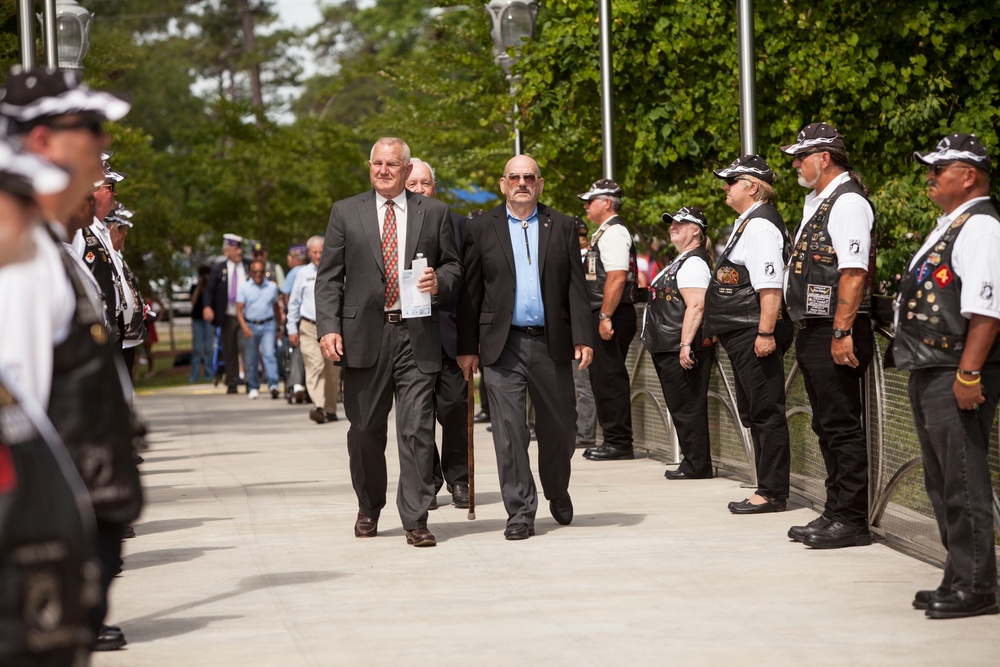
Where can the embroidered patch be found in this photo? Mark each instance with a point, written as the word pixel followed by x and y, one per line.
pixel 987 291
pixel 934 259
pixel 769 268
pixel 855 247
pixel 818 299
pixel 727 275
pixel 943 276
pixel 89 257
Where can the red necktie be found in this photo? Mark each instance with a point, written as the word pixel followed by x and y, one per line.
pixel 390 256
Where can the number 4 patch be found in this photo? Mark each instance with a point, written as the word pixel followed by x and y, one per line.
pixel 943 276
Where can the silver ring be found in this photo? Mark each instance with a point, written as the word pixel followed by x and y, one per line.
pixel 846 359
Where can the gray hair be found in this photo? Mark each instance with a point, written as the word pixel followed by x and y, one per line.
pixel 313 240
pixel 391 141
pixel 414 160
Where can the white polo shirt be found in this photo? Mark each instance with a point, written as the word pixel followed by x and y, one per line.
pixel 759 249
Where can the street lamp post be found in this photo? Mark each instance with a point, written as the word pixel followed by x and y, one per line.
pixel 73 28
pixel 513 24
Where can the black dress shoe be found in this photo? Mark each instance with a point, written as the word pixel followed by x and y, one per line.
pixel 609 453
pixel 680 474
pixel 746 507
pixel 332 417
pixel 518 531
pixel 230 390
pixel 562 510
pixel 110 639
pixel 924 598
pixel 420 537
pixel 317 415
pixel 837 535
pixel 128 531
pixel 481 418
pixel 460 496
pixel 434 503
pixel 796 533
pixel 366 526
pixel 959 604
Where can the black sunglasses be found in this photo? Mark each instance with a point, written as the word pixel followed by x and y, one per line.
pixel 93 125
pixel 937 169
pixel 733 180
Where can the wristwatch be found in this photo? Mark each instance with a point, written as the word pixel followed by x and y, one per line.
pixel 842 333
pixel 602 316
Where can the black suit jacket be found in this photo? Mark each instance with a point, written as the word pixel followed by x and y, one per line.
pixel 486 308
pixel 217 289
pixel 449 330
pixel 350 278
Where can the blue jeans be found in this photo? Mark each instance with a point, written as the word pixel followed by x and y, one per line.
pixel 262 341
pixel 202 337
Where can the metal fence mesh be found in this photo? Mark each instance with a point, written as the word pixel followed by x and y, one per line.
pixel 901 510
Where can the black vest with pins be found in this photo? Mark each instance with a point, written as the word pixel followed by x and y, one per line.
pixel 813 276
pixel 597 276
pixel 89 410
pixel 932 330
pixel 665 308
pixel 731 303
pixel 101 265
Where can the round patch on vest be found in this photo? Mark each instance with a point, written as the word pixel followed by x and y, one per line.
pixel 89 257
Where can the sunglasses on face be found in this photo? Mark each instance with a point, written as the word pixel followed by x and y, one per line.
pixel 733 180
pixel 527 178
pixel 938 169
pixel 93 125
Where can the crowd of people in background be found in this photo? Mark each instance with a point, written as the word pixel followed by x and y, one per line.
pixel 403 302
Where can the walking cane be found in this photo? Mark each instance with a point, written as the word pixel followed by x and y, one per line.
pixel 472 459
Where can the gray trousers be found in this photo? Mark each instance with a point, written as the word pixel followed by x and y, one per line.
pixel 586 408
pixel 368 395
pixel 525 368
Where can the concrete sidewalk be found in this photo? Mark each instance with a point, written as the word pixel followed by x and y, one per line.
pixel 245 556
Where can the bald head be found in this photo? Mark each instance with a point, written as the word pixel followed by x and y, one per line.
pixel 522 184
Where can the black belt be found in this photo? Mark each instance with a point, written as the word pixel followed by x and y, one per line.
pixel 529 331
pixel 394 316
pixel 270 319
pixel 808 322
pixel 306 319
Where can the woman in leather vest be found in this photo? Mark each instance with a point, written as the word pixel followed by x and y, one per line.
pixel 671 332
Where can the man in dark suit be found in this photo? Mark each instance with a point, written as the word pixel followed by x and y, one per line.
pixel 450 397
pixel 223 282
pixel 524 314
pixel 372 238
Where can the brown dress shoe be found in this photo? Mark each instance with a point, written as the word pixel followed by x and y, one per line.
pixel 420 537
pixel 366 526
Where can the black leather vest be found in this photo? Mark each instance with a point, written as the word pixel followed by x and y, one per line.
pixel 101 265
pixel 731 303
pixel 89 410
pixel 596 275
pixel 135 327
pixel 665 308
pixel 49 578
pixel 932 330
pixel 813 276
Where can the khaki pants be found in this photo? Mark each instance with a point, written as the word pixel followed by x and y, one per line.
pixel 322 377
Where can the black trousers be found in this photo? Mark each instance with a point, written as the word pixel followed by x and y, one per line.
pixel 760 398
pixel 955 446
pixel 609 377
pixel 231 334
pixel 452 405
pixel 368 397
pixel 109 552
pixel 686 394
pixel 835 396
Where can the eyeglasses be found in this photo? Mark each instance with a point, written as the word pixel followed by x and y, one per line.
pixel 733 180
pixel 93 125
pixel 803 156
pixel 517 178
pixel 938 169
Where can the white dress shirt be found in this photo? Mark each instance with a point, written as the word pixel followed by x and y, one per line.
pixel 302 301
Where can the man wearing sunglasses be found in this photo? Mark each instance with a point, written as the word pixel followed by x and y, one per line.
pixel 948 313
pixel 524 315
pixel 610 268
pixel 828 292
pixel 52 115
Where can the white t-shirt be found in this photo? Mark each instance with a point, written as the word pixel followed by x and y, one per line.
pixel 614 243
pixel 694 274
pixel 973 259
pixel 759 249
pixel 37 303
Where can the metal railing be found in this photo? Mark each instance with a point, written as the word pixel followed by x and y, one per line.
pixel 900 509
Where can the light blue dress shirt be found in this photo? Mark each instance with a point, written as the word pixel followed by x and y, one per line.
pixel 258 300
pixel 528 308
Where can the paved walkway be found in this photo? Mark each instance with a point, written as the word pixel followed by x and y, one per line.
pixel 246 556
